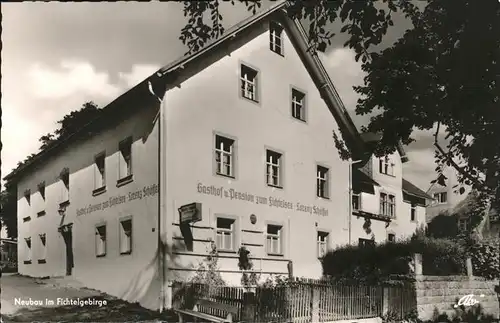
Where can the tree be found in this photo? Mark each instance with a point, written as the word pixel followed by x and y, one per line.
pixel 441 75
pixel 69 124
pixel 443 226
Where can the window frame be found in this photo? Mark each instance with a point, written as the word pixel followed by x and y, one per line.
pixel 41 189
pixel 389 235
pixel 122 230
pixel 387 166
pixel 326 180
pixel 275 27
pixel 358 195
pixel 280 163
pixel 255 82
pixel 366 243
pixel 413 212
pixel 27 196
pixel 319 234
pixel 383 203
pixel 124 144
pixel 439 198
pixel 29 250
pixel 43 243
pixel 233 155
pixel 303 104
pixel 97 233
pixel 97 172
pixel 64 178
pixel 232 231
pixel 279 236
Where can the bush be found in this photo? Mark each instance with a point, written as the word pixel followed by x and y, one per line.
pixel 485 256
pixel 390 260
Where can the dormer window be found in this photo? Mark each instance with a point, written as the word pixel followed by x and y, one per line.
pixel 386 166
pixel 275 37
pixel 441 198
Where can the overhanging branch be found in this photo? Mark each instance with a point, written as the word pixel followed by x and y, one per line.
pixel 449 158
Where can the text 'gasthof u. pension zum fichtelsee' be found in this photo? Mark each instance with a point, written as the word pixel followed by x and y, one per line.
pixel 271 201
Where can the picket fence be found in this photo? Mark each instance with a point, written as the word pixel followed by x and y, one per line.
pixel 304 301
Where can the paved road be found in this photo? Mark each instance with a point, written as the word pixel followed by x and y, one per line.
pixel 16 289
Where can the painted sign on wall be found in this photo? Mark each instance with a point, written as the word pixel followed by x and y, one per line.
pixel 190 213
pixel 145 192
pixel 271 201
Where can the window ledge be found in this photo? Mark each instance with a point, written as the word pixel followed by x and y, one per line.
pixel 300 120
pixel 323 197
pixel 64 203
pixel 26 219
pixel 250 99
pixel 275 186
pixel 126 253
pixel 99 191
pixel 41 213
pixel 224 175
pixel 42 261
pixel 275 254
pixel 27 262
pixel 125 180
pixel 226 251
pixel 100 256
pixel 276 52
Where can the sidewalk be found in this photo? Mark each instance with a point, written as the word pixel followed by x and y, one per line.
pixel 27 299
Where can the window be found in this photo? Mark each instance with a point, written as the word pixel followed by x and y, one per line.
pixel 125 161
pixel 366 243
pixel 27 259
pixel 391 237
pixel 275 37
pixel 126 237
pixel 100 171
pixel 41 190
pixel 273 239
pixel 386 166
pixel 387 205
pixel 322 244
pixel 356 201
pixel 413 212
pixel 463 224
pixel 100 240
pixel 225 234
pixel 27 196
pixel 43 251
pixel 65 187
pixel 441 197
pixel 274 168
pixel 298 105
pixel 249 79
pixel 322 182
pixel 224 156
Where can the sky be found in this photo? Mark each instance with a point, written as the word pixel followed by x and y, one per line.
pixel 56 56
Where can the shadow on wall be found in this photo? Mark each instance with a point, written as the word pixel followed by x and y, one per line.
pixel 145 287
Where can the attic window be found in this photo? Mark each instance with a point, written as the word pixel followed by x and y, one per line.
pixel 276 38
pixel 41 189
pixel 249 86
pixel 27 196
pixel 386 166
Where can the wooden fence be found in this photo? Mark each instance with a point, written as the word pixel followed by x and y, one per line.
pixel 304 301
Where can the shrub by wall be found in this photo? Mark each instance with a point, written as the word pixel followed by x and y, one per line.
pixel 485 256
pixel 389 261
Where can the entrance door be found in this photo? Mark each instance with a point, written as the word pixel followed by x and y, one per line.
pixel 68 240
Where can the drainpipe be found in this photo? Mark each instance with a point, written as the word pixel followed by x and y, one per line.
pixel 161 191
pixel 351 163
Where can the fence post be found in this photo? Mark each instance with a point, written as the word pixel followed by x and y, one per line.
pixel 468 264
pixel 248 309
pixel 385 300
pixel 418 264
pixel 314 303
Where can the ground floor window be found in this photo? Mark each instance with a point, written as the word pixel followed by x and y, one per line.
pixel 366 243
pixel 322 243
pixel 100 240
pixel 126 236
pixel 27 257
pixel 225 234
pixel 43 247
pixel 273 239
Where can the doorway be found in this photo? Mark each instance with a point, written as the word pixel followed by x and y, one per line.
pixel 67 234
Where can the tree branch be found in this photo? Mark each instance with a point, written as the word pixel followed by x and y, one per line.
pixel 449 158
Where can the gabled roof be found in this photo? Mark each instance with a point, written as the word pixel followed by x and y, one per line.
pixel 411 189
pixel 175 73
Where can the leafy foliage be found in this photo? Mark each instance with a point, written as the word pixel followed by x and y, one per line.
pixel 389 262
pixel 8 210
pixel 249 277
pixel 208 270
pixel 485 256
pixel 442 73
pixel 443 226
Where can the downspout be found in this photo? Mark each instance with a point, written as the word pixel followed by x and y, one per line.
pixel 161 264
